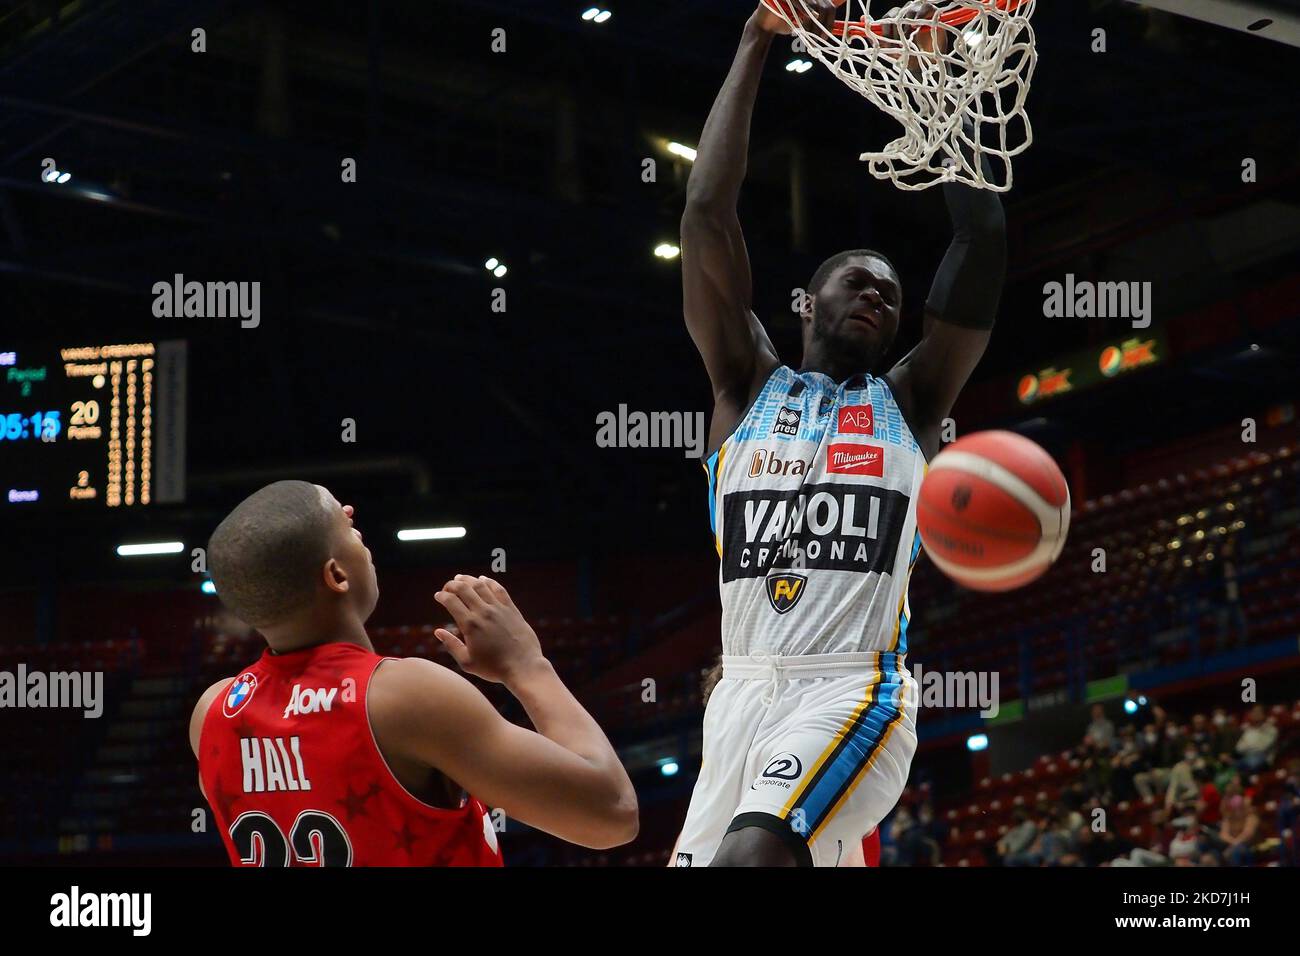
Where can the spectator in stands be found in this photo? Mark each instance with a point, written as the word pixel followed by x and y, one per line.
pixel 1208 858
pixel 1255 747
pixel 1288 819
pixel 1097 768
pixel 1238 832
pixel 1101 730
pixel 1163 742
pixel 1227 731
pixel 913 847
pixel 1208 802
pixel 1201 733
pixel 1130 760
pixel 1056 842
pixel 1185 847
pixel 1014 846
pixel 1180 798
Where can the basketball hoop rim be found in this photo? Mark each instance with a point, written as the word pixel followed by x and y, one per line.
pixel 953 18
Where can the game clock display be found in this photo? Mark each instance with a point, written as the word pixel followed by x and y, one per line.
pixel 92 426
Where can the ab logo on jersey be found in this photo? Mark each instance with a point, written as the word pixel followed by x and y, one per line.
pixel 857 420
pixel 240 693
pixel 785 590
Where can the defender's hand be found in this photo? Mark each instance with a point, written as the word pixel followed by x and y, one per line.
pixel 495 641
pixel 823 12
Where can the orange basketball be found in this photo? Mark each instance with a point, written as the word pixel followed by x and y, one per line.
pixel 994 511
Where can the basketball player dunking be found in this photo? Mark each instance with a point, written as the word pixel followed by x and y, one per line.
pixel 323 753
pixel 813 476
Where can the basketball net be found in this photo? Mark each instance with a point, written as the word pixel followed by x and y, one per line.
pixel 956 107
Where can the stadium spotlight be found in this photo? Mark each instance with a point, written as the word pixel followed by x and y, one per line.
pixel 798 65
pixel 668 767
pixel 596 15
pixel 687 153
pixel 1142 700
pixel 1130 706
pixel 499 271
pixel 207 587
pixel 63 178
pixel 491 263
pixel 153 547
pixel 977 742
pixel 666 250
pixel 430 534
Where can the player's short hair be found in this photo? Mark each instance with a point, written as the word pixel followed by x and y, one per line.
pixel 824 270
pixel 266 556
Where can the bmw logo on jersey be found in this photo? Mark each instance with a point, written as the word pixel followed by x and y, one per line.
pixel 240 693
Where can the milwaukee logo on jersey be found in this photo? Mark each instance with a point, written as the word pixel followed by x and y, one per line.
pixel 857 420
pixel 271 764
pixel 829 526
pixel 846 459
pixel 308 701
pixel 770 463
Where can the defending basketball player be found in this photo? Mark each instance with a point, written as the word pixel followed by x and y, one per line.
pixel 813 476
pixel 323 753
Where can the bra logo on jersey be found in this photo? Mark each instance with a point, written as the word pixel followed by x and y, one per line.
pixel 848 459
pixel 857 420
pixel 240 693
pixel 787 421
pixel 832 526
pixel 308 701
pixel 785 590
pixel 770 463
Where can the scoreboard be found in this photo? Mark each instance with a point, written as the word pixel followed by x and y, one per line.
pixel 92 426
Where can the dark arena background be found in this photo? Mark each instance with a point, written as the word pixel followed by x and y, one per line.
pixel 438 340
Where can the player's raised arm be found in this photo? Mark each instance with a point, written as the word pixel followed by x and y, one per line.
pixel 716 282
pixel 960 310
pixel 565 778
pixel 963 301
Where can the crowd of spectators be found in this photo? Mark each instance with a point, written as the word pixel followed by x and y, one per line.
pixel 1195 776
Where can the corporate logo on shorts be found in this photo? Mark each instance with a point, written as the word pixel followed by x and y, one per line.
pixel 766 462
pixel 785 590
pixel 848 459
pixel 831 526
pixel 240 693
pixel 684 859
pixel 780 770
pixel 786 766
pixel 857 420
pixel 787 421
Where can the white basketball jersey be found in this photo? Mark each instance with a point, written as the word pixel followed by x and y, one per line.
pixel 813 505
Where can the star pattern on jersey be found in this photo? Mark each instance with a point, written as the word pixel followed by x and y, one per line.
pixel 406 838
pixel 354 802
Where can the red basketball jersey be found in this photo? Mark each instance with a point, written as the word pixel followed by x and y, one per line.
pixel 291 768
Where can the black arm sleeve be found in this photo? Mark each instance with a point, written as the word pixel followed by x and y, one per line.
pixel 968 285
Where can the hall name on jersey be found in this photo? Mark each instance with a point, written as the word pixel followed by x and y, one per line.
pixel 833 527
pixel 272 764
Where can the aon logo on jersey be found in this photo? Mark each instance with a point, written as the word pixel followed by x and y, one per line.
pixel 307 701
